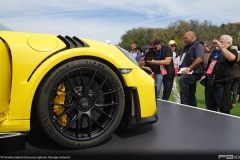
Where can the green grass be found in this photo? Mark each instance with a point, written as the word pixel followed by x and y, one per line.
pixel 201 100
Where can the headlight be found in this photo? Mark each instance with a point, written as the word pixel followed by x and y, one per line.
pixel 129 55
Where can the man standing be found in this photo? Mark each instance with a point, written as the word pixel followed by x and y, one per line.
pixel 192 60
pixel 133 46
pixel 219 75
pixel 162 66
pixel 172 44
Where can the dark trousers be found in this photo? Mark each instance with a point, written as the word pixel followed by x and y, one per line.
pixel 167 88
pixel 213 98
pixel 188 84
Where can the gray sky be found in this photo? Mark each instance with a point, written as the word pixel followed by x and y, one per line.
pixel 109 19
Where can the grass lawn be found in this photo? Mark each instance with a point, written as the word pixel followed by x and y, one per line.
pixel 201 100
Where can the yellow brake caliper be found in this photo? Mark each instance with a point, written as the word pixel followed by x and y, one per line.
pixel 59 99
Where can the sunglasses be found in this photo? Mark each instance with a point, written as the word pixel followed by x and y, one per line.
pixel 173 45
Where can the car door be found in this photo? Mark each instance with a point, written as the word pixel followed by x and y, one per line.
pixel 5 79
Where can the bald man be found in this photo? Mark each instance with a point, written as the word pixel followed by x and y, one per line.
pixel 193 68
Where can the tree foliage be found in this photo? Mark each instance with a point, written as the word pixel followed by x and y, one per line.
pixel 204 31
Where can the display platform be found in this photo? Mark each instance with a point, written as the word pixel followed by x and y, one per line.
pixel 180 132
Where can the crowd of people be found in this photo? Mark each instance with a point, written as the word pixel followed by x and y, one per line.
pixel 214 63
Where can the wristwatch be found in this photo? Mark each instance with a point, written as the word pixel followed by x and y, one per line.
pixel 189 69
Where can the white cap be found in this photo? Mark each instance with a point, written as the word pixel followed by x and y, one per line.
pixel 108 41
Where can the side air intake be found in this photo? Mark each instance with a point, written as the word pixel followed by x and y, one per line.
pixel 73 42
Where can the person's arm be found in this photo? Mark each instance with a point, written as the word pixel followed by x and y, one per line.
pixel 199 54
pixel 146 68
pixel 166 61
pixel 141 62
pixel 226 53
pixel 163 62
pixel 194 65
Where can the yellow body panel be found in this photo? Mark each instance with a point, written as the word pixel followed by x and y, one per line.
pixel 145 89
pixel 15 126
pixel 34 55
pixel 5 80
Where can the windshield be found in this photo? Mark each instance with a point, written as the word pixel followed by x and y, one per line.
pixel 129 55
pixel 4 28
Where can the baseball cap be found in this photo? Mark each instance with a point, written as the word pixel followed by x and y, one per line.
pixel 155 42
pixel 172 42
pixel 145 47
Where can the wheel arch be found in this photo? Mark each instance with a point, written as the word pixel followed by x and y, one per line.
pixel 33 109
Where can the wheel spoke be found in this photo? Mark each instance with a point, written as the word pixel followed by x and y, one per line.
pixel 89 126
pixel 98 124
pixel 69 124
pixel 55 118
pixel 102 94
pixel 91 82
pixel 99 88
pixel 82 82
pixel 105 105
pixel 77 128
pixel 105 114
pixel 70 84
pixel 67 93
pixel 64 105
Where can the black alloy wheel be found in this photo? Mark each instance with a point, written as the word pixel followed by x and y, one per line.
pixel 80 103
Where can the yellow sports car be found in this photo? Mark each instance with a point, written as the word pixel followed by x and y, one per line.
pixel 78 90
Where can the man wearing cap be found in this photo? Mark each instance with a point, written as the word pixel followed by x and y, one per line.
pixel 162 65
pixel 145 68
pixel 138 51
pixel 145 49
pixel 172 44
pixel 193 68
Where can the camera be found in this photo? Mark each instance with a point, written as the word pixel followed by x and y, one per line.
pixel 148 58
pixel 210 43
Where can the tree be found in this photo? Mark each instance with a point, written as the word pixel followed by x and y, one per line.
pixel 204 31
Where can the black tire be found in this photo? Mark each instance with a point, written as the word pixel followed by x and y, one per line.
pixel 93 106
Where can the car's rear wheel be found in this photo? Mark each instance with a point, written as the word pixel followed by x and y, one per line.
pixel 80 103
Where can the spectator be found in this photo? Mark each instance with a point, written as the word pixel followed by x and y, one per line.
pixel 162 66
pixel 191 59
pixel 141 62
pixel 138 51
pixel 145 49
pixel 235 83
pixel 133 46
pixel 145 68
pixel 207 53
pixel 236 79
pixel 172 44
pixel 219 75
